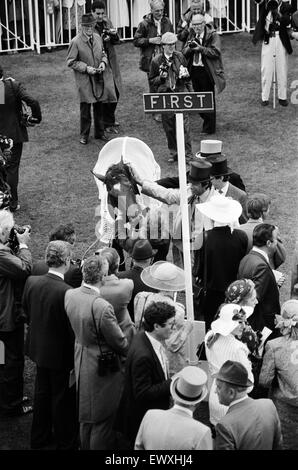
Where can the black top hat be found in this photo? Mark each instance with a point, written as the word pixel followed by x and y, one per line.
pixel 234 373
pixel 88 20
pixel 199 172
pixel 219 166
pixel 142 250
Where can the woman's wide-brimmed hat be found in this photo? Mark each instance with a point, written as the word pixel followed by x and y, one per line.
pixel 221 209
pixel 225 324
pixel 88 20
pixel 189 385
pixel 163 275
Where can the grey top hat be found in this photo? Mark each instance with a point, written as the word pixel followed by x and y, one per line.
pixel 189 386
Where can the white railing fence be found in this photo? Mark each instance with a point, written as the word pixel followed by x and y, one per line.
pixel 38 24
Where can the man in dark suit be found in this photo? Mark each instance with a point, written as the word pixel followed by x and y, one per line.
pixel 12 127
pixel 51 347
pixel 220 179
pixel 142 255
pixel 202 51
pixel 249 424
pixel 66 233
pixel 255 266
pixel 146 383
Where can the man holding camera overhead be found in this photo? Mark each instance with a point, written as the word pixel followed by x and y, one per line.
pixel 273 30
pixel 202 51
pixel 13 124
pixel 87 58
pixel 14 269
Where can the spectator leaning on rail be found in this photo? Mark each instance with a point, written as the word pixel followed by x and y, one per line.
pixel 14 269
pixel 13 124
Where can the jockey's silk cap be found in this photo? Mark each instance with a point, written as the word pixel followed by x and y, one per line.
pixel 168 38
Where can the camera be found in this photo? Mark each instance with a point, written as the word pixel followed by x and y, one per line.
pixel 193 43
pixel 106 34
pixel 5 144
pixel 13 241
pixel 107 362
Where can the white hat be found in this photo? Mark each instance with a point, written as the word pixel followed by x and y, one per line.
pixel 164 276
pixel 225 324
pixel 189 385
pixel 169 38
pixel 209 147
pixel 221 209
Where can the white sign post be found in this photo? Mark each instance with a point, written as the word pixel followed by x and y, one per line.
pixel 179 103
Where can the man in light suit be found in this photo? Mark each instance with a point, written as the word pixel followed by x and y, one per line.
pixel 175 429
pixel 98 337
pixel 147 382
pixel 249 424
pixel 220 179
pixel 51 347
pixel 255 266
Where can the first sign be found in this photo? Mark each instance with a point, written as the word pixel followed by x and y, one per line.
pixel 178 102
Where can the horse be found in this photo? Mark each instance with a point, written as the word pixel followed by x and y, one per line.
pixel 132 219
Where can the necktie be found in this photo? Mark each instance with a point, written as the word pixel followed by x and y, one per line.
pixel 91 41
pixel 164 360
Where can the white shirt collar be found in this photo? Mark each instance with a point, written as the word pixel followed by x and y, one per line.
pixel 237 401
pixel 168 57
pixel 182 408
pixel 255 248
pixel 89 286
pixel 224 189
pixel 155 343
pixel 53 271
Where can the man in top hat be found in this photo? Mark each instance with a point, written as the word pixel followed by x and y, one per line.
pixel 220 179
pixel 142 256
pixel 168 74
pixel 223 249
pixel 87 58
pixel 202 51
pixel 273 30
pixel 199 190
pixel 175 429
pixel 146 382
pixel 249 424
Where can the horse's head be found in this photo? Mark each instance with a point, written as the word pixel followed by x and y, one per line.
pixel 121 187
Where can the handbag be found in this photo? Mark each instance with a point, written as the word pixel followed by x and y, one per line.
pixel 107 361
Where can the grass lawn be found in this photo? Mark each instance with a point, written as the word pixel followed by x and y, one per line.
pixel 55 180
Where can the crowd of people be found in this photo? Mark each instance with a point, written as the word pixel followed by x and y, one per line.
pixel 108 338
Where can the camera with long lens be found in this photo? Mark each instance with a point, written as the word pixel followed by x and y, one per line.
pixel 5 149
pixel 193 43
pixel 107 362
pixel 13 241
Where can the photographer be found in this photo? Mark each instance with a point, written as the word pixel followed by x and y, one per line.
pixel 14 269
pixel 13 124
pixel 87 58
pixel 110 37
pixel 273 29
pixel 99 341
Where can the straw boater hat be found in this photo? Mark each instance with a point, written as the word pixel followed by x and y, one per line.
pixel 164 276
pixel 221 209
pixel 234 373
pixel 225 324
pixel 189 386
